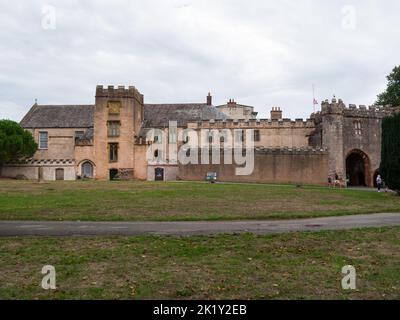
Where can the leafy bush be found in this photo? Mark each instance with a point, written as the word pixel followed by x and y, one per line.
pixel 15 142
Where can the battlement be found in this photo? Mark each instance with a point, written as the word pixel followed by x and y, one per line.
pixel 339 108
pixel 252 124
pixel 119 92
pixel 287 150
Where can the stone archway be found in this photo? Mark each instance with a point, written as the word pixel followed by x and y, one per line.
pixel 358 169
pixel 87 169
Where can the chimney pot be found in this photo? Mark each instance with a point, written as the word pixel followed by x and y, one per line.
pixel 209 99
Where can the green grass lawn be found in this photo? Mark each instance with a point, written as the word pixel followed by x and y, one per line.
pixel 289 266
pixel 132 201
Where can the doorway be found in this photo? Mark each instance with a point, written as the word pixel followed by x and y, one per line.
pixel 60 174
pixel 87 170
pixel 357 169
pixel 113 174
pixel 159 174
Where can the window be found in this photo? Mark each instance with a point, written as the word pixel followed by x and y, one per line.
pixel 172 136
pixel 157 139
pixel 113 128
pixel 113 152
pixel 239 134
pixel 43 140
pixel 79 134
pixel 210 137
pixel 256 135
pixel 357 127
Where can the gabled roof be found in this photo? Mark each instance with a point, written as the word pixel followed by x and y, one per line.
pixel 159 115
pixel 59 116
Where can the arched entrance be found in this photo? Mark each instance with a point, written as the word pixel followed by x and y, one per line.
pixel 358 169
pixel 87 170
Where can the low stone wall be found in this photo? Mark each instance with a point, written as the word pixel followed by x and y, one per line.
pixel 270 166
pixel 32 172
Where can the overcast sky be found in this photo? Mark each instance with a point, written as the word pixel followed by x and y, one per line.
pixel 261 53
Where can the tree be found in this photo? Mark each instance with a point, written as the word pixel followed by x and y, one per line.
pixel 15 142
pixel 390 165
pixel 392 94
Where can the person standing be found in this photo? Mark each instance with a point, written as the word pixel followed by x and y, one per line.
pixel 379 182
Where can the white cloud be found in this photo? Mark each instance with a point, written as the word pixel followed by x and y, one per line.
pixel 262 53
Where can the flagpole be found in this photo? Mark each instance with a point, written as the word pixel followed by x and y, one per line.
pixel 313 91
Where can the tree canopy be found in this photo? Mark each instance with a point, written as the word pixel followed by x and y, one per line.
pixel 390 165
pixel 15 142
pixel 392 94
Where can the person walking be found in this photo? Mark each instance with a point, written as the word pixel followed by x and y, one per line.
pixel 379 182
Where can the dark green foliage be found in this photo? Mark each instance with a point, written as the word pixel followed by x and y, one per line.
pixel 390 165
pixel 392 94
pixel 15 142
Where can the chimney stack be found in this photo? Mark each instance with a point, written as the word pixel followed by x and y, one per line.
pixel 231 103
pixel 276 113
pixel 209 99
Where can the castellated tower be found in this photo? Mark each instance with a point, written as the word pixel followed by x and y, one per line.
pixel 332 133
pixel 117 120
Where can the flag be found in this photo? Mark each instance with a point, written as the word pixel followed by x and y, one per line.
pixel 315 102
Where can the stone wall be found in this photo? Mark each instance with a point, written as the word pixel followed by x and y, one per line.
pixel 303 166
pixel 170 172
pixel 31 172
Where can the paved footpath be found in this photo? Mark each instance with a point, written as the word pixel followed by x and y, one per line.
pixel 66 228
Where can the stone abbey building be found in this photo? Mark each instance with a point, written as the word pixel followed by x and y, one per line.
pixel 109 140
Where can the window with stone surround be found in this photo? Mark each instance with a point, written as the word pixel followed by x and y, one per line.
pixel 113 152
pixel 43 140
pixel 113 128
pixel 357 127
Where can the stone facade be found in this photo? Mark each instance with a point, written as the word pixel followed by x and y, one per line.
pixel 110 139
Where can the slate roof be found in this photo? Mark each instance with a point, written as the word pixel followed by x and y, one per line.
pixel 59 116
pixel 82 116
pixel 159 115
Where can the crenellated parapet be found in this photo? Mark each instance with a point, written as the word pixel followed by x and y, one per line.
pixel 337 107
pixel 252 124
pixel 288 150
pixel 112 92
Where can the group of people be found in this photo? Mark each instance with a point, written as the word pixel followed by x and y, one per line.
pixel 337 182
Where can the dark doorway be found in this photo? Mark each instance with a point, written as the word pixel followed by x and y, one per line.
pixel 357 168
pixel 59 174
pixel 113 174
pixel 87 170
pixel 159 174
